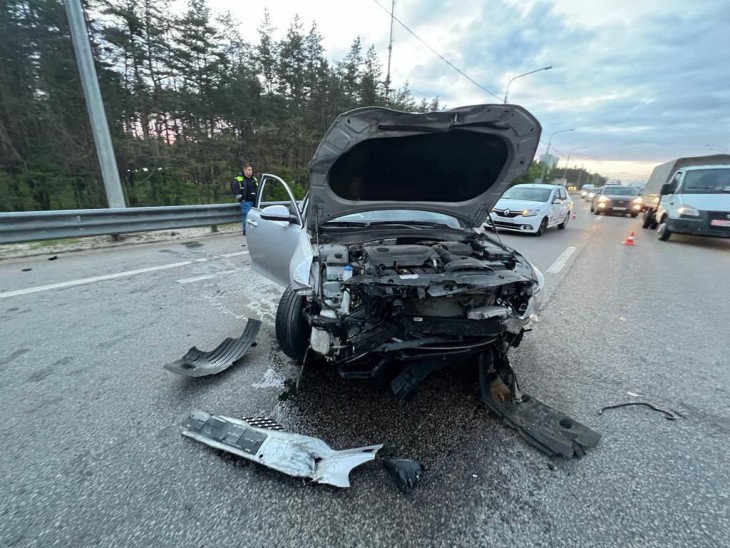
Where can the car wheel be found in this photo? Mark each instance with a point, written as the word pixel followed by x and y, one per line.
pixel 634 215
pixel 595 212
pixel 292 328
pixel 663 232
pixel 562 225
pixel 543 227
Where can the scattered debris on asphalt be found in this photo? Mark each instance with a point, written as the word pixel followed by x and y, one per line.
pixel 264 441
pixel 669 415
pixel 27 269
pixel 53 258
pixel 197 363
pixel 551 431
pixel 406 473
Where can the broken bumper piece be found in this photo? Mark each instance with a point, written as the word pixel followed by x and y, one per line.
pixel 197 363
pixel 551 431
pixel 293 454
pixel 405 472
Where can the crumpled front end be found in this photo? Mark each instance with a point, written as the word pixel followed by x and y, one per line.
pixel 411 300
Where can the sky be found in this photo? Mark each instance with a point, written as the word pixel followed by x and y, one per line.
pixel 639 81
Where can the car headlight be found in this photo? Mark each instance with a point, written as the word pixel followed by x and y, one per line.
pixel 591 195
pixel 638 200
pixel 688 211
pixel 603 199
pixel 530 212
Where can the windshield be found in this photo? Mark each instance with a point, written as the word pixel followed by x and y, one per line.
pixel 529 194
pixel 618 191
pixel 397 216
pixel 704 181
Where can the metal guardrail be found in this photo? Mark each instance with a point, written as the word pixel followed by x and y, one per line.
pixel 31 226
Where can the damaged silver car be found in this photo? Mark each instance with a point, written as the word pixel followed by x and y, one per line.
pixel 386 261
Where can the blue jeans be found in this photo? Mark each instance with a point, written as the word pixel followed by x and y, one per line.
pixel 245 208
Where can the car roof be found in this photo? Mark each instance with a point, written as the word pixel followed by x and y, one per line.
pixel 698 168
pixel 538 185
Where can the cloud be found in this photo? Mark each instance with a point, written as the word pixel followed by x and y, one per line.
pixel 641 82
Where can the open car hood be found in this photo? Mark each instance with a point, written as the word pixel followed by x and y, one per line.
pixel 457 162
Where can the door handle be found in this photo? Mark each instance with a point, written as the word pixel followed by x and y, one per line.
pixel 252 223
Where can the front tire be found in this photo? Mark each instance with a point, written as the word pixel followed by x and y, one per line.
pixel 562 225
pixel 663 232
pixel 542 228
pixel 292 329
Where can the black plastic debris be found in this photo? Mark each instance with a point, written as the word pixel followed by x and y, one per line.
pixel 55 257
pixel 551 431
pixel 406 473
pixel 667 414
pixel 197 363
pixel 268 444
pixel 27 269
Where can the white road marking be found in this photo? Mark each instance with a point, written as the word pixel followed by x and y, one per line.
pixel 597 218
pixel 105 277
pixel 205 277
pixel 196 279
pixel 559 263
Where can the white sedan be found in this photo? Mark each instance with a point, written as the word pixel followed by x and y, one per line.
pixel 532 209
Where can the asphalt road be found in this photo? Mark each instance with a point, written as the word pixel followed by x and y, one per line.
pixel 92 452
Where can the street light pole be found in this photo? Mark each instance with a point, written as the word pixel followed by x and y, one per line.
pixel 94 104
pixel 390 50
pixel 506 91
pixel 547 152
pixel 565 171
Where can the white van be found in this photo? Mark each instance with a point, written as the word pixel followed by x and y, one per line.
pixel 694 199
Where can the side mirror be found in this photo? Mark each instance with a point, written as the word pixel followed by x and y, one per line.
pixel 557 201
pixel 278 213
pixel 667 188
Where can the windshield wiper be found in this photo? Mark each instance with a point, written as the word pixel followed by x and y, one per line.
pixel 336 224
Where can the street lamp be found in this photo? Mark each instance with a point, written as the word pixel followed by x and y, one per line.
pixel 565 171
pixel 506 91
pixel 547 152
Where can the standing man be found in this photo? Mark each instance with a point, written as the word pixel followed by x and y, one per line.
pixel 245 187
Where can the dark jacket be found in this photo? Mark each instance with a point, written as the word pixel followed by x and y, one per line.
pixel 247 187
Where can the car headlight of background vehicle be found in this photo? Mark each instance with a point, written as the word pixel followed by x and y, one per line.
pixel 603 199
pixel 530 212
pixel 688 211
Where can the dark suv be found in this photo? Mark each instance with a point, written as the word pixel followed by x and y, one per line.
pixel 617 199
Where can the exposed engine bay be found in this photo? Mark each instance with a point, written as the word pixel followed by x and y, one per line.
pixel 414 298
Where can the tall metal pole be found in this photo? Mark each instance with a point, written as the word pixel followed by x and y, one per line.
pixel 390 49
pixel 506 91
pixel 94 104
pixel 547 153
pixel 565 171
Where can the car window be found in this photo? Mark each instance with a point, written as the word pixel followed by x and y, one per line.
pixel 703 180
pixel 529 194
pixel 619 191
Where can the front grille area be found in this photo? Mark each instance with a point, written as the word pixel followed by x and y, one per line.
pixel 512 214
